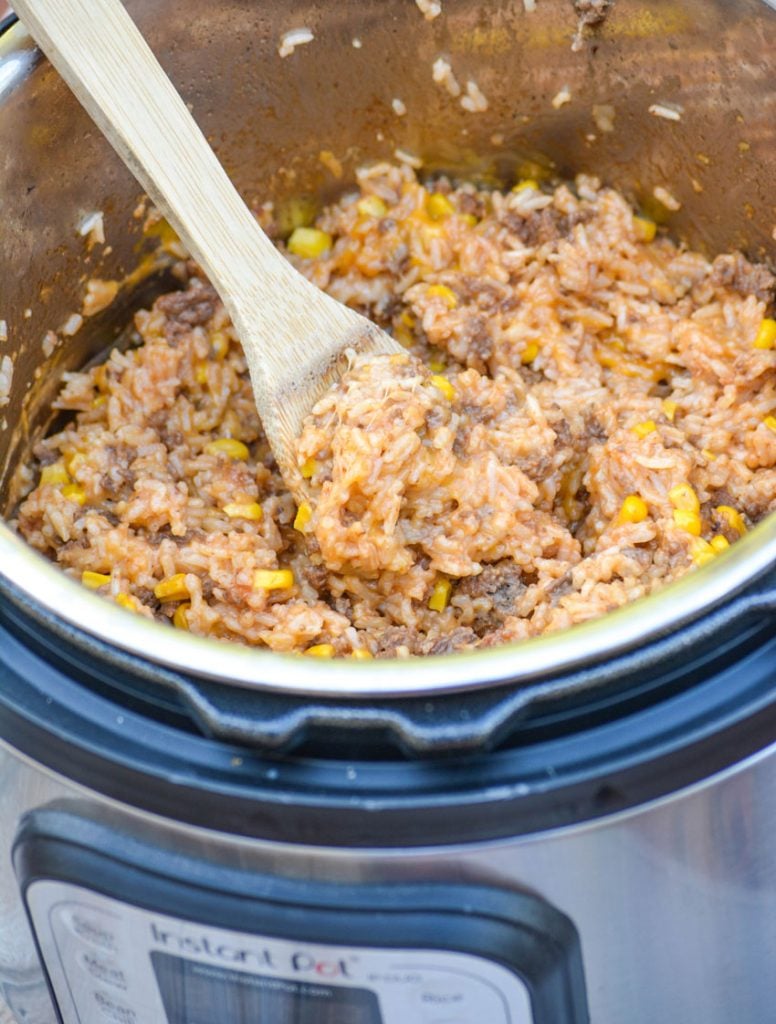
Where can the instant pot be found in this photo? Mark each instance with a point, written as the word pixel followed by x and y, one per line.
pixel 577 828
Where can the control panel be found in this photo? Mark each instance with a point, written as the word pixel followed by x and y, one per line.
pixel 112 962
pixel 131 934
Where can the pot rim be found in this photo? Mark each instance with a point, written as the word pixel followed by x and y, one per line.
pixel 54 594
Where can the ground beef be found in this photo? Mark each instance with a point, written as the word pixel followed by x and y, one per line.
pixel 460 638
pixel 316 576
pixel 502 583
pixel 395 637
pixel 187 309
pixel 542 226
pixel 734 271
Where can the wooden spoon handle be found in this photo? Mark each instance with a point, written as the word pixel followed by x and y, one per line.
pixel 100 53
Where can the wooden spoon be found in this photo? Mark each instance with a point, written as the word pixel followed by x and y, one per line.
pixel 296 338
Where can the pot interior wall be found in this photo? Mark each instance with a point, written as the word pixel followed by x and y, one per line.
pixel 270 119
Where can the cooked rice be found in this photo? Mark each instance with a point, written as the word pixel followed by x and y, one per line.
pixel 582 366
pixel 666 111
pixel 293 38
pixel 474 101
pixel 430 9
pixel 442 73
pixel 6 378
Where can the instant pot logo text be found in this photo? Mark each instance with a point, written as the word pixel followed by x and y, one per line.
pixel 297 962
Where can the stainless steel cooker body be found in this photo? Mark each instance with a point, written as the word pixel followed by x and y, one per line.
pixel 675 903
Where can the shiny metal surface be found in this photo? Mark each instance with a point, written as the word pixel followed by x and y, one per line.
pixel 675 902
pixel 269 119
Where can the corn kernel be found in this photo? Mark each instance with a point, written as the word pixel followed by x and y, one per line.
pixel 94 580
pixel 684 497
pixel 521 186
pixel 308 468
pixel 530 352
pixel 708 454
pixel 688 520
pixel 273 579
pixel 228 446
pixel 75 462
pixel 371 206
pixel 321 651
pixel 766 334
pixel 303 516
pixel 219 343
pixel 54 475
pixel 98 401
pixel 645 428
pixel 244 510
pixel 309 243
pixel 200 374
pixel 634 509
pixel 100 377
pixel 440 595
pixel 439 206
pixel 443 384
pixel 732 517
pixel 173 588
pixel 181 618
pixel 719 543
pixel 126 601
pixel 407 319
pixel 669 407
pixel 701 551
pixel 361 654
pixel 645 229
pixel 470 219
pixel 403 336
pixel 770 422
pixel 441 291
pixel 74 493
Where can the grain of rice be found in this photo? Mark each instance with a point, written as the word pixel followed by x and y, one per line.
pixel 666 198
pixel 6 378
pixel 561 97
pixel 603 115
pixel 99 295
pixel 408 158
pixel 474 101
pixel 72 325
pixel 49 343
pixel 92 228
pixel 3 330
pixel 399 108
pixel 293 38
pixel 442 74
pixel 670 112
pixel 430 9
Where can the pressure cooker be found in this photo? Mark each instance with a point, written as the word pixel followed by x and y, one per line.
pixel 576 828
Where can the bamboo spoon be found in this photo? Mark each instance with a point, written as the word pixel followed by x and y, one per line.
pixel 296 339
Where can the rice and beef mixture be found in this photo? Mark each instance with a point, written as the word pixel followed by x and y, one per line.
pixel 584 413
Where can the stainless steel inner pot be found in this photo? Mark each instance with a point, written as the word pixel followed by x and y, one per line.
pixel 269 119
